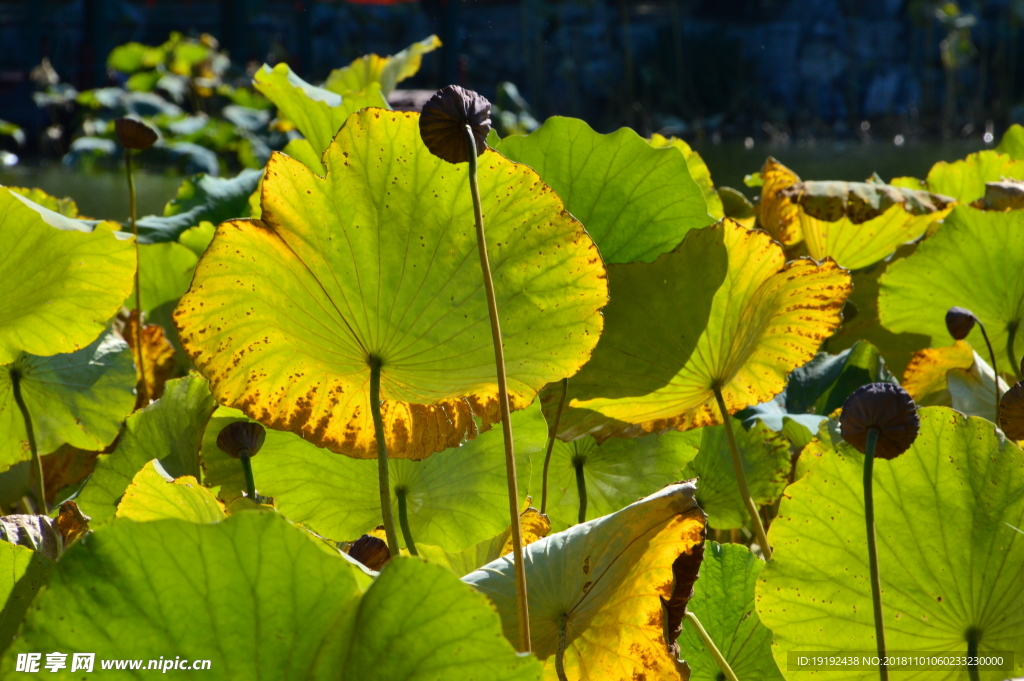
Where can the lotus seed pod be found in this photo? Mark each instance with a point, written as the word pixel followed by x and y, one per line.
pixel 885 407
pixel 444 120
pixel 1011 412
pixel 134 134
pixel 239 436
pixel 959 322
pixel 370 551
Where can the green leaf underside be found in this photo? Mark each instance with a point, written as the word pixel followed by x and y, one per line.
pixel 151 496
pixel 80 398
pixel 170 429
pixel 62 279
pixel 455 498
pixel 258 599
pixel 948 556
pixel 380 258
pixel 967 264
pixel 723 601
pixel 636 201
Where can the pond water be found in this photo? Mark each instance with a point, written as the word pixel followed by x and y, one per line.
pixel 105 195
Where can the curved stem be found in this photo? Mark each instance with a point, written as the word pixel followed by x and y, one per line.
pixel 522 607
pixel 403 521
pixel 383 477
pixel 973 639
pixel 1011 335
pixel 581 489
pixel 741 478
pixel 551 446
pixel 563 643
pixel 876 583
pixel 995 369
pixel 723 664
pixel 250 481
pixel 37 462
pixel 143 388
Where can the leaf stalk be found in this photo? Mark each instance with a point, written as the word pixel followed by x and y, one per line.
pixel 581 488
pixel 383 477
pixel 143 388
pixel 37 462
pixel 403 520
pixel 995 369
pixel 720 660
pixel 869 518
pixel 250 481
pixel 551 446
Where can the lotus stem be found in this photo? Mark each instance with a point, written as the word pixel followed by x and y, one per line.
pixel 973 639
pixel 581 488
pixel 551 446
pixel 382 456
pixel 1011 335
pixel 995 369
pixel 563 643
pixel 143 388
pixel 37 462
pixel 250 481
pixel 403 520
pixel 723 664
pixel 869 518
pixel 522 607
pixel 741 478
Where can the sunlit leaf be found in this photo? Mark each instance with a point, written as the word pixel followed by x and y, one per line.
pixel 379 258
pixel 200 198
pixel 723 601
pixel 317 113
pixel 970 263
pixel 66 206
pixel 766 463
pixel 455 498
pixel 63 279
pixel 972 390
pixel 1012 143
pixel 779 216
pixel 948 557
pixel 736 206
pixel 532 524
pixel 698 171
pixel 152 495
pixel 158 360
pixel 80 398
pixel 617 473
pixel 22 573
pixel 170 429
pixel 965 180
pixel 606 580
pixel 257 598
pixel 386 71
pixel 636 201
pixel 925 376
pixel 723 309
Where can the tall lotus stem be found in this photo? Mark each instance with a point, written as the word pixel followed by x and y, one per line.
pixel 869 519
pixel 581 488
pixel 741 478
pixel 551 446
pixel 382 456
pixel 37 462
pixel 242 440
pixel 720 660
pixel 403 520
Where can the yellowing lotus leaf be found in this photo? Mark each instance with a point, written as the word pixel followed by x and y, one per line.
pixel 604 586
pixel 63 279
pixel 779 216
pixel 724 309
pixel 925 377
pixel 379 260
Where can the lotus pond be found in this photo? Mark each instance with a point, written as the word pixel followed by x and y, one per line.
pixel 403 396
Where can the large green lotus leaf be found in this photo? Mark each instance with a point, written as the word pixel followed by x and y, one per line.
pixel 860 319
pixel 972 262
pixel 617 472
pixel 723 601
pixel 606 579
pixel 725 309
pixel 63 279
pixel 965 180
pixel 698 171
pixel 823 384
pixel 379 258
pixel 22 573
pixel 170 429
pixel 316 112
pixel 1012 143
pixel 80 398
pixel 385 71
pixel 66 206
pixel 258 599
pixel 948 557
pixel 636 201
pixel 153 495
pixel 455 498
pixel 200 198
pixel 766 463
pixel 166 273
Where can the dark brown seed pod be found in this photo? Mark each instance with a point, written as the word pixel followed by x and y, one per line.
pixel 959 322
pixel 134 134
pixel 1011 412
pixel 239 436
pixel 370 551
pixel 444 120
pixel 885 407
